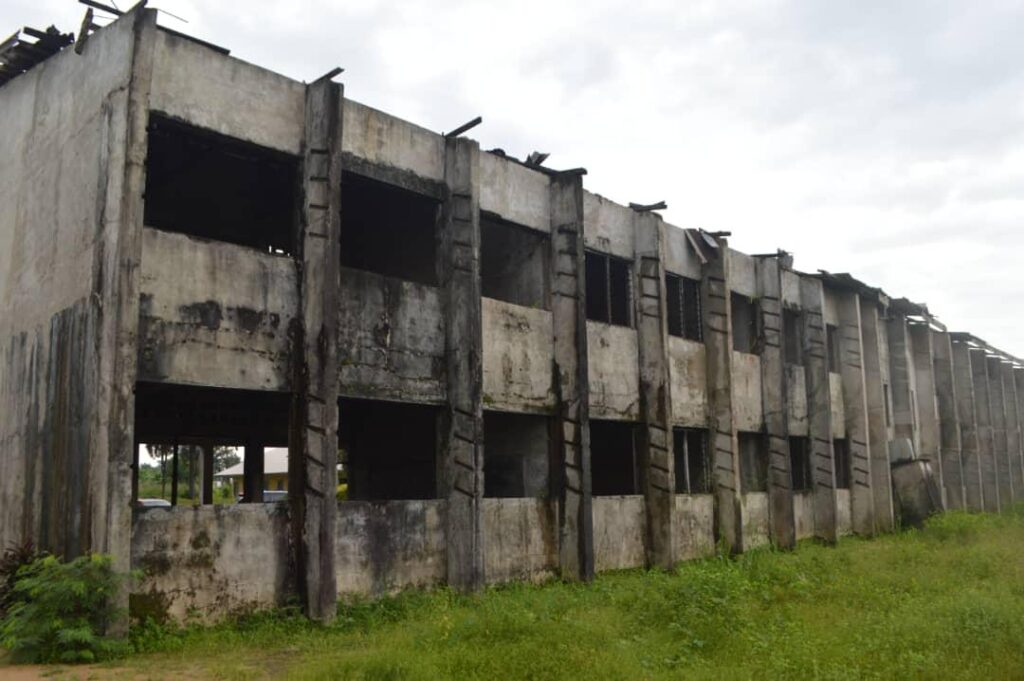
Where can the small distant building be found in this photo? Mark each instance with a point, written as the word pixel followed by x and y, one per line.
pixel 275 472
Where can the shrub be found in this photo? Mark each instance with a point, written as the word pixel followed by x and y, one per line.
pixel 59 612
pixel 15 557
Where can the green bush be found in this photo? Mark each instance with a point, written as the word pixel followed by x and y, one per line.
pixel 15 557
pixel 60 612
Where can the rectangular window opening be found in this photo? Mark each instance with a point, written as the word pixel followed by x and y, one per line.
pixel 609 291
pixel 215 187
pixel 683 303
pixel 513 263
pixel 800 463
pixel 693 473
pixel 388 448
pixel 516 455
pixel 793 337
pixel 388 230
pixel 841 454
pixel 744 324
pixel 753 462
pixel 613 461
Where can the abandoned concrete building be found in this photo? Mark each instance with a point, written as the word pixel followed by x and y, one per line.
pixel 521 378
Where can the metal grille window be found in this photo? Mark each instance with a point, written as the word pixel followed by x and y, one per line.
pixel 693 474
pixel 683 303
pixel 800 463
pixel 609 289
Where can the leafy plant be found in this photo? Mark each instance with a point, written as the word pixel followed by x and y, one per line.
pixel 15 557
pixel 60 612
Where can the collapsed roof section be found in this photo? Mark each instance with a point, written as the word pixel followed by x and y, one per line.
pixel 28 47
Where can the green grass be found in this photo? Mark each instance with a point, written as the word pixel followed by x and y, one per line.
pixel 944 602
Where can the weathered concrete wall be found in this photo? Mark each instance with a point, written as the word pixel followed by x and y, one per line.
pixel 844 523
pixel 619 529
pixel 227 95
pixel 515 192
pixel 803 512
pixel 742 273
pixel 382 139
pixel 694 526
pixel 608 226
pixel 748 413
pixel 755 520
pixel 211 561
pixel 520 539
pixel 835 384
pixel 796 382
pixel 213 313
pixel 390 339
pixel 386 546
pixel 688 381
pixel 518 356
pixel 614 374
pixel 680 258
pixel 875 383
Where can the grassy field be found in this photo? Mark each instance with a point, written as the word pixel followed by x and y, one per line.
pixel 944 602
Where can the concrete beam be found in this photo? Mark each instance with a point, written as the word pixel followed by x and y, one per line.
pixel 878 437
pixel 949 423
pixel 313 441
pixel 983 417
pixel 851 350
pixel 571 478
pixel 967 416
pixel 655 442
pixel 819 409
pixel 460 454
pixel 775 404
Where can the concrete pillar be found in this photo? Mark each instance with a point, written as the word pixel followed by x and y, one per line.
pixel 983 416
pixel 949 424
pixel 1013 434
pixel 461 454
pixel 819 408
pixel 878 437
pixel 999 444
pixel 775 404
pixel 927 416
pixel 967 416
pixel 207 477
pixel 851 352
pixel 716 310
pixel 901 380
pixel 1018 384
pixel 572 426
pixel 655 439
pixel 174 475
pixel 252 474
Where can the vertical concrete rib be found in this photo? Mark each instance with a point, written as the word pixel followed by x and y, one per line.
pixel 819 408
pixel 655 450
pixel 949 425
pixel 927 411
pixel 717 317
pixel 1013 452
pixel 983 416
pixel 775 404
pixel 460 454
pixel 967 415
pixel 313 448
pixel 878 438
pixel 1018 385
pixel 571 435
pixel 999 444
pixel 900 372
pixel 851 348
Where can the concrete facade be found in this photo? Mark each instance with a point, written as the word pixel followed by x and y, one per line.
pixel 520 379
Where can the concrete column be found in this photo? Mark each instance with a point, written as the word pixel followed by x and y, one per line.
pixel 966 411
pixel 999 445
pixel 775 404
pixel 461 453
pixel 900 380
pixel 716 310
pixel 851 351
pixel 1013 435
pixel 878 437
pixel 819 408
pixel 983 416
pixel 655 440
pixel 927 411
pixel 313 441
pixel 207 485
pixel 252 473
pixel 572 426
pixel 949 424
pixel 1018 384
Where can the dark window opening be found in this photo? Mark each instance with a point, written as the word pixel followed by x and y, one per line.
pixel 609 293
pixel 800 463
pixel 841 455
pixel 194 433
pixel 753 462
pixel 613 461
pixel 744 324
pixel 888 408
pixel 215 187
pixel 693 474
pixel 793 336
pixel 516 455
pixel 513 263
pixel 388 230
pixel 832 342
pixel 683 305
pixel 388 449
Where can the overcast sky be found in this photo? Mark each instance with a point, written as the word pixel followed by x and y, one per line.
pixel 878 138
